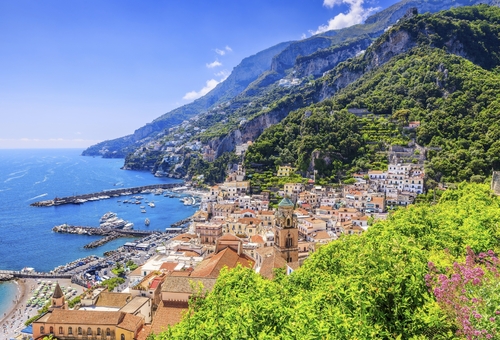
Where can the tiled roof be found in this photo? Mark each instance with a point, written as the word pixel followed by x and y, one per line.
pixel 184 237
pixel 257 239
pixel 229 237
pixel 186 284
pixel 165 317
pixel 270 260
pixel 156 282
pixel 108 299
pixel 225 258
pixel 130 322
pixel 64 316
pixel 169 266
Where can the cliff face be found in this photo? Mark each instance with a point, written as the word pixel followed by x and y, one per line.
pixel 324 60
pixel 248 131
pixel 286 59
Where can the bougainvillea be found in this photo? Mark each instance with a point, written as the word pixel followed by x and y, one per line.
pixel 469 294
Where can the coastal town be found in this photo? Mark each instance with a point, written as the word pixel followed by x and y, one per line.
pixel 156 274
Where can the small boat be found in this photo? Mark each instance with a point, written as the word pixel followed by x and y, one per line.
pixel 146 222
pixel 151 204
pixel 143 211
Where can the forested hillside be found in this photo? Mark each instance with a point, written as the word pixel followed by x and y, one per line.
pixel 380 284
pixel 449 81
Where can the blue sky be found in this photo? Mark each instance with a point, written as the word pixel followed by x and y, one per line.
pixel 76 72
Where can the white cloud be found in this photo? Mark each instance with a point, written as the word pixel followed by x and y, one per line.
pixel 214 64
pixel 229 49
pixel 220 52
pixel 210 85
pixel 224 74
pixel 356 15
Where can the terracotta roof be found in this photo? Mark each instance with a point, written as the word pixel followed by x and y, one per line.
pixel 144 333
pixel 228 257
pixel 58 292
pixel 156 282
pixel 257 239
pixel 247 211
pixel 64 316
pixel 165 317
pixel 249 220
pixel 169 266
pixel 191 253
pixel 108 299
pixel 186 284
pixel 130 322
pixel 229 237
pixel 270 261
pixel 322 235
pixel 184 237
pixel 181 273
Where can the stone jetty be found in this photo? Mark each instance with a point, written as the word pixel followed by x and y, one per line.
pixel 79 199
pixel 109 234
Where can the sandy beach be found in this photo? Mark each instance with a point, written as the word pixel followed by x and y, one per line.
pixel 13 321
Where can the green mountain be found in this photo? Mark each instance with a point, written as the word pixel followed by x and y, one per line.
pixel 254 85
pixel 441 70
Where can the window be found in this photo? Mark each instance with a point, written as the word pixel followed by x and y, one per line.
pixel 61 330
pixel 98 331
pixel 108 332
pixel 80 331
pixel 42 329
pixel 122 337
pixel 89 331
pixel 51 329
pixel 70 330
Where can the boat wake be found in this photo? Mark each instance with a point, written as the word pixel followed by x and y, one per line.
pixel 39 196
pixel 42 181
pixel 15 177
pixel 17 172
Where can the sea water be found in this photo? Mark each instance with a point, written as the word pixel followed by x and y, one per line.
pixel 27 176
pixel 8 291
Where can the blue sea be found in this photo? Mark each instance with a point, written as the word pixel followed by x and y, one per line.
pixel 27 176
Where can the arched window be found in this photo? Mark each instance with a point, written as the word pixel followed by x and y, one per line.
pixel 289 241
pixel 288 222
pixel 80 331
pixel 51 329
pixel 98 331
pixel 42 329
pixel 70 330
pixel 89 331
pixel 108 332
pixel 122 337
pixel 61 330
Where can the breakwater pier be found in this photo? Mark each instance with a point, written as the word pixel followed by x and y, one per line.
pixel 105 194
pixel 108 233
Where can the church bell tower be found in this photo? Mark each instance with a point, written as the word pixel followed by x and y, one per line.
pixel 286 241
